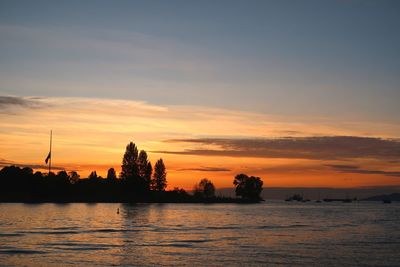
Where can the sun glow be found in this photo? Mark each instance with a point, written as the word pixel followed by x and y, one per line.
pixel 91 134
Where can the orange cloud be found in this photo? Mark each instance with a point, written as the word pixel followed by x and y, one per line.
pixel 91 134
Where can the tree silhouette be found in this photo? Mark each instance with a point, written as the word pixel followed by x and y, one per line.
pixel 159 182
pixel 137 177
pixel 93 175
pixel 129 167
pixel 62 176
pixel 73 177
pixel 142 163
pixel 147 175
pixel 111 174
pixel 27 171
pixel 21 185
pixel 144 169
pixel 248 187
pixel 205 189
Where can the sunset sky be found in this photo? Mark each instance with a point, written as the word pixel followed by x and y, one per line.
pixel 300 93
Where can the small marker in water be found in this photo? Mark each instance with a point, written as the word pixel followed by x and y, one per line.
pixel 117 210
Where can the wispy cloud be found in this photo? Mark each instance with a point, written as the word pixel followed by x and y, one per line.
pixel 4 162
pixel 357 169
pixel 16 101
pixel 206 169
pixel 315 148
pixel 91 134
pixel 125 49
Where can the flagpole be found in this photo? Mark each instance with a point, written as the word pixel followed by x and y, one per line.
pixel 51 136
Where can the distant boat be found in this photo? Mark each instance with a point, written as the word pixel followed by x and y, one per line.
pixel 318 201
pixel 295 197
pixel 387 201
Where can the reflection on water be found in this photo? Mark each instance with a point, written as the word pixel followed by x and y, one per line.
pixel 274 233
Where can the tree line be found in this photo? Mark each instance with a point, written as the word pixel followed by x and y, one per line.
pixel 138 181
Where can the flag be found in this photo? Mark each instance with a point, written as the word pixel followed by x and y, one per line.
pixel 48 157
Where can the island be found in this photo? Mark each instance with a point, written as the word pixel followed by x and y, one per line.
pixel 137 182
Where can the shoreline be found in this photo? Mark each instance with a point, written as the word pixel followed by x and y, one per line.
pixel 211 201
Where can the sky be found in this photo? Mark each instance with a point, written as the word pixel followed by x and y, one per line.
pixel 300 93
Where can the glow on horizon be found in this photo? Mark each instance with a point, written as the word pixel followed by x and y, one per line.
pixel 202 84
pixel 91 134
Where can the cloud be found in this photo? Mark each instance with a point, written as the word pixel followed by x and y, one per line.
pixel 343 167
pixel 314 148
pixel 4 163
pixel 120 49
pixel 357 169
pixel 91 134
pixel 206 169
pixel 26 102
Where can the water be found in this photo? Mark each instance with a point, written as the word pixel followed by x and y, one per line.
pixel 272 233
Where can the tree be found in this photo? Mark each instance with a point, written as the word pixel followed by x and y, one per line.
pixel 205 189
pixel 111 174
pixel 147 176
pixel 142 163
pixel 144 169
pixel 178 190
pixel 73 177
pixel 130 170
pixel 159 182
pixel 27 171
pixel 248 187
pixel 63 176
pixel 93 175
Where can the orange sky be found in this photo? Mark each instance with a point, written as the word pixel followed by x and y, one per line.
pixel 91 134
pixel 299 96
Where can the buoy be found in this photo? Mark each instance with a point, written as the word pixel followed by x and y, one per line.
pixel 118 211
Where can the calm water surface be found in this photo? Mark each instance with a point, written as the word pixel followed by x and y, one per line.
pixel 272 233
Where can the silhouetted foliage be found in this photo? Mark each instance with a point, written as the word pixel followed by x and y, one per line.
pixel 129 167
pixel 73 177
pixel 248 187
pixel 27 171
pixel 130 174
pixel 147 175
pixel 23 185
pixel 205 189
pixel 159 182
pixel 145 169
pixel 93 175
pixel 63 175
pixel 179 190
pixel 111 174
pixel 142 163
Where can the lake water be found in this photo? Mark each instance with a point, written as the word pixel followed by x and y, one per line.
pixel 272 233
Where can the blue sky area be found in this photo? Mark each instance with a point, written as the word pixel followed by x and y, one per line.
pixel 337 59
